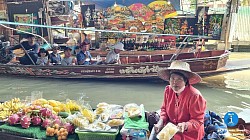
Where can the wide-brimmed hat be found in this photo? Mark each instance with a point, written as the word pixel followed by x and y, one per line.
pixel 182 67
pixel 119 46
pixel 42 50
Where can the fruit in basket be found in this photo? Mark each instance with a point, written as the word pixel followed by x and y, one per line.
pixel 62 134
pixel 54 103
pixel 70 128
pixel 115 122
pixel 36 120
pixel 88 114
pixel 5 114
pixel 63 114
pixel 50 131
pixel 25 121
pixel 57 121
pixel 80 122
pixel 46 123
pixel 72 106
pixel 99 110
pixel 14 119
pixel 102 105
pixel 40 101
pixel 45 112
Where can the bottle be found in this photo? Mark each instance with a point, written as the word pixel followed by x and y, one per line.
pixel 142 135
pixel 135 136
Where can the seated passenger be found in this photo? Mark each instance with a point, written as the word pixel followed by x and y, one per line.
pixel 55 57
pixel 84 57
pixel 32 48
pixel 68 60
pixel 77 50
pixel 43 57
pixel 113 56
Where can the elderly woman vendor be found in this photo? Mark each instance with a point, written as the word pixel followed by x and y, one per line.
pixel 183 105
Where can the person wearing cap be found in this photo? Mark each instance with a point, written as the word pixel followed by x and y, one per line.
pixel 54 57
pixel 43 57
pixel 113 56
pixel 84 57
pixel 183 105
pixel 32 48
pixel 68 60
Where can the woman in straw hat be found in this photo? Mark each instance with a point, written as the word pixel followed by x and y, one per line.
pixel 183 105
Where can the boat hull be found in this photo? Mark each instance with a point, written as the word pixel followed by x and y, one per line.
pixel 136 70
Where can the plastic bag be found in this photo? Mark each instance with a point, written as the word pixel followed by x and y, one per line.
pixel 167 132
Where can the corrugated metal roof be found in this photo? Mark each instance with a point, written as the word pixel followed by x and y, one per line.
pixel 242 31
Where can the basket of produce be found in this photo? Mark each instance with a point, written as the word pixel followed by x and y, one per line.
pixel 98 135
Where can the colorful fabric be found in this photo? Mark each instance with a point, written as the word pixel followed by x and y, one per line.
pixel 214 126
pixel 188 107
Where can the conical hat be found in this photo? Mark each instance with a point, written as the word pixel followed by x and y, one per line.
pixel 182 67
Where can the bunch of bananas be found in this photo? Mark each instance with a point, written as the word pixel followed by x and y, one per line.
pixel 73 106
pixel 5 114
pixel 80 122
pixel 10 107
pixel 89 114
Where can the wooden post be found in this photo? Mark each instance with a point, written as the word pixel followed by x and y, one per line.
pixel 230 15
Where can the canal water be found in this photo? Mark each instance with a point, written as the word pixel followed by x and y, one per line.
pixel 225 92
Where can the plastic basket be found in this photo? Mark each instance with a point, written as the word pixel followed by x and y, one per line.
pixel 82 135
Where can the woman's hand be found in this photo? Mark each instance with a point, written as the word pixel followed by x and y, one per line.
pixel 182 126
pixel 158 126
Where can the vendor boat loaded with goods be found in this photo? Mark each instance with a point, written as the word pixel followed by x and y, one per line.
pixel 76 120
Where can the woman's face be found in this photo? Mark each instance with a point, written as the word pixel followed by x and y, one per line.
pixel 55 51
pixel 43 54
pixel 176 82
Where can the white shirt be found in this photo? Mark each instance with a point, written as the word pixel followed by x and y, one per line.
pixel 112 57
pixel 42 61
pixel 67 61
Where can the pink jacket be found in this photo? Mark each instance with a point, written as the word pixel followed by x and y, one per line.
pixel 189 107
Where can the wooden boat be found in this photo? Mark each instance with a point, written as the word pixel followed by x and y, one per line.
pixel 136 53
pixel 140 66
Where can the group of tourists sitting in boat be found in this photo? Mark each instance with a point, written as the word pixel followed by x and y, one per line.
pixel 40 56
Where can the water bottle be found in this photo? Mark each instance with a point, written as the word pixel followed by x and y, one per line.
pixel 135 136
pixel 142 136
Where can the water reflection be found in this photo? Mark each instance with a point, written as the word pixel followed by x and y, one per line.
pixel 230 91
pixel 226 92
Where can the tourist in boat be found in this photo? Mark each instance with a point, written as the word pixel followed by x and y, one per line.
pixel 113 56
pixel 43 57
pixel 183 105
pixel 77 50
pixel 32 48
pixel 54 57
pixel 71 43
pixel 84 57
pixel 68 60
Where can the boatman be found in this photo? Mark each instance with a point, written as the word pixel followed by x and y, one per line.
pixel 32 48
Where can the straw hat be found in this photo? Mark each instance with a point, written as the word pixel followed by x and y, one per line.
pixel 119 46
pixel 182 67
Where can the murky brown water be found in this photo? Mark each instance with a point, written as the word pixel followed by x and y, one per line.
pixel 227 92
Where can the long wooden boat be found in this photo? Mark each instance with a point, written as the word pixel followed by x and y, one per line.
pixel 153 52
pixel 140 66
